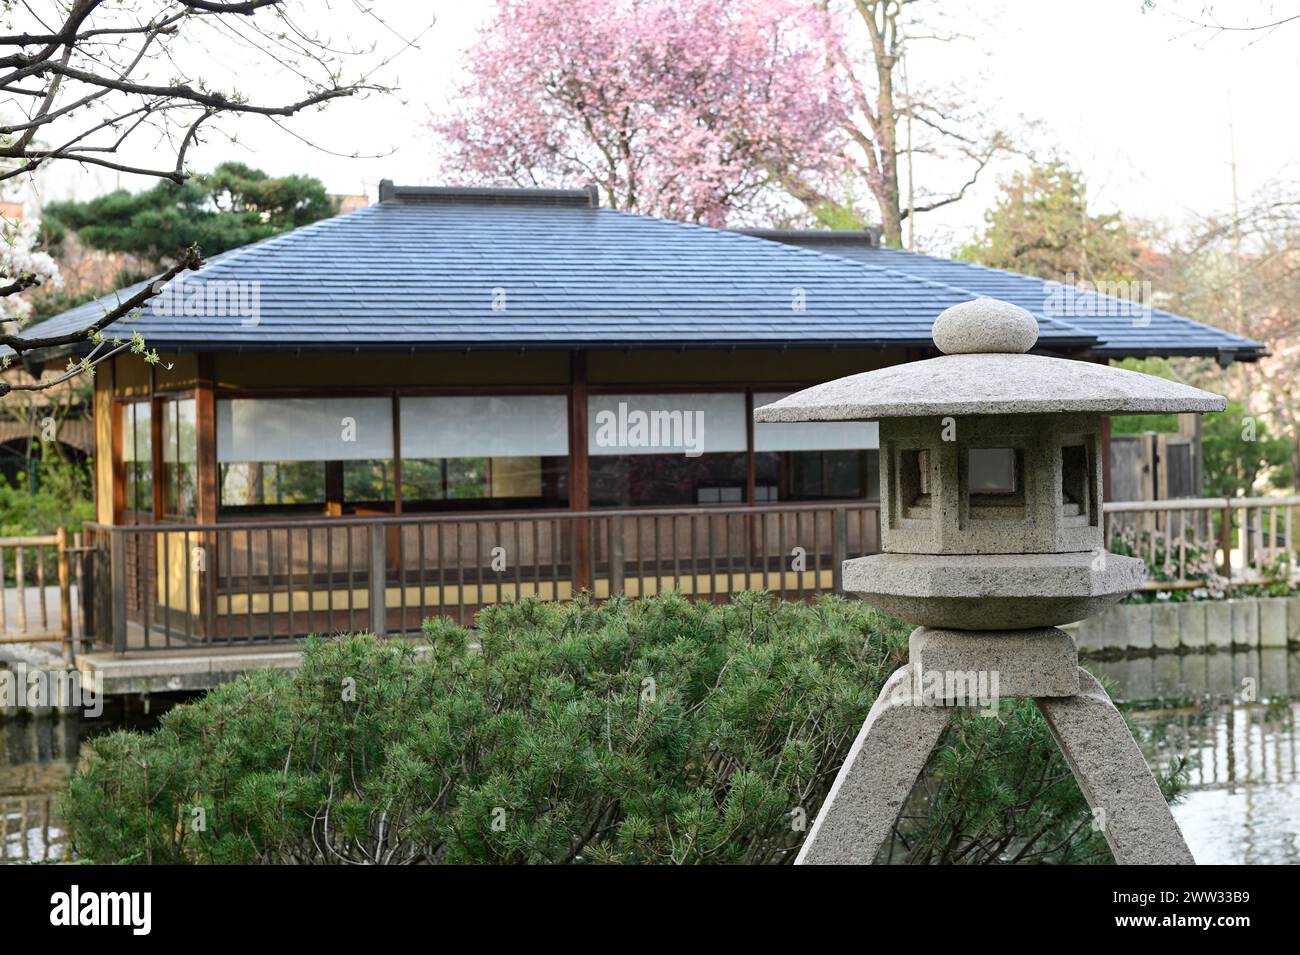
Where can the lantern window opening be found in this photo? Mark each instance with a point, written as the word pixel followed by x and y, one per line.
pixel 995 473
pixel 913 482
pixel 1078 488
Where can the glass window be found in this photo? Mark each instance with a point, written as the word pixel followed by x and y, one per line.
pixel 658 450
pixel 666 480
pixel 179 457
pixel 815 460
pixel 484 451
pixel 309 454
pixel 137 458
pixel 816 475
pixel 256 484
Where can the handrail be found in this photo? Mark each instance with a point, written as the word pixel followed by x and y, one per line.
pixel 48 540
pixel 1197 503
pixel 466 517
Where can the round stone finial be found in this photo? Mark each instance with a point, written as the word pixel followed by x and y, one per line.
pixel 984 325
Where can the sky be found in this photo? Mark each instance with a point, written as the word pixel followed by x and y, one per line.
pixel 1141 101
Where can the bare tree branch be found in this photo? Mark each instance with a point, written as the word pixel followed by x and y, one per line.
pixel 83 80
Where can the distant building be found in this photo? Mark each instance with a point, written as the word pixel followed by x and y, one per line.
pixel 346 203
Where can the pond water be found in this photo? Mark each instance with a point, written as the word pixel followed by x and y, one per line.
pixel 37 756
pixel 1231 716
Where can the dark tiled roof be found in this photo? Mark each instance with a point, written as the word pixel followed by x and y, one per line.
pixel 421 269
pixel 1121 330
pixel 424 268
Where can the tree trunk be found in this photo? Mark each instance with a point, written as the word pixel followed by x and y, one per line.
pixel 881 18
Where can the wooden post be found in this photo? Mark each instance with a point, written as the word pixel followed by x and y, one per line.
pixel 117 558
pixel 579 473
pixel 397 454
pixel 751 529
pixel 614 527
pixel 205 425
pixel 379 579
pixel 749 447
pixel 65 595
pixel 1225 540
pixel 208 490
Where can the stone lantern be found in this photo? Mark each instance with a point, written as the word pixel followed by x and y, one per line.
pixel 992 536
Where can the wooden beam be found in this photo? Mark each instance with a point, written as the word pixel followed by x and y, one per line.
pixel 205 424
pixel 749 446
pixel 397 454
pixel 579 469
pixel 116 449
pixel 208 485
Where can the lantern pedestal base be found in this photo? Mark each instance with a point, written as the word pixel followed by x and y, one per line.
pixel 974 667
pixel 907 720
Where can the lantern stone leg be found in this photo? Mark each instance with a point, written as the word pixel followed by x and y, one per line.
pixel 1112 774
pixel 912 711
pixel 882 766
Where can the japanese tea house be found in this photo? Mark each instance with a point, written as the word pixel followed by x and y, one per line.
pixel 460 396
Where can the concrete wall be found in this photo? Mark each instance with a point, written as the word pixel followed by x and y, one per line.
pixel 1268 622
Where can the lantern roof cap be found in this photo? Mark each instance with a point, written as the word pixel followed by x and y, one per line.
pixel 985 371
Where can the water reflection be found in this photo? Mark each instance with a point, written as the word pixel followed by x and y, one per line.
pixel 38 755
pixel 1232 718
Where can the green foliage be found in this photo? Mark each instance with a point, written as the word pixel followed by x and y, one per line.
pixel 63 499
pixel 831 214
pixel 1143 423
pixel 1041 226
pixel 1239 451
pixel 653 731
pixel 227 208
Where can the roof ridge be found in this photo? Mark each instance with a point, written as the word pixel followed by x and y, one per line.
pixel 586 197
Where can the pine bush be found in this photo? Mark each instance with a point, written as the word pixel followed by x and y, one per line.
pixel 651 731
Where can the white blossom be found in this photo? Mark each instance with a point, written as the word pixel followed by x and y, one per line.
pixel 19 257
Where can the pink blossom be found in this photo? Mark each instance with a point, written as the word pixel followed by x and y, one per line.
pixel 700 110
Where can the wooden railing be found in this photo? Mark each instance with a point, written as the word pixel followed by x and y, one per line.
pixel 265 582
pixel 260 582
pixel 1240 541
pixel 36 572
